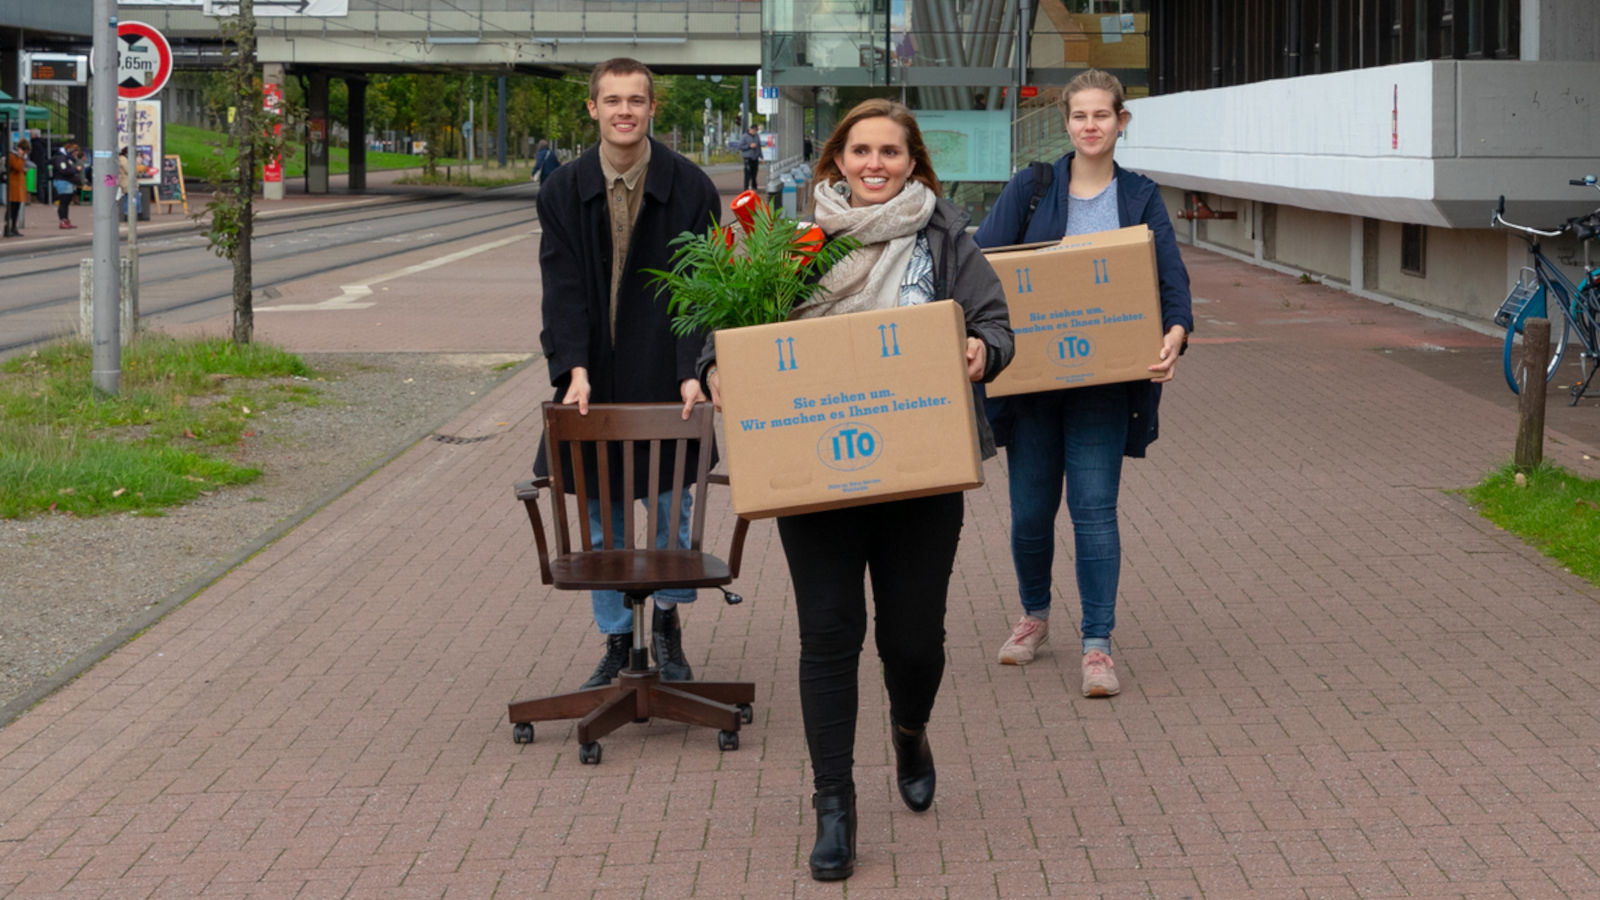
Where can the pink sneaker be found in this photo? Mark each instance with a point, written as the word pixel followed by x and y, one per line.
pixel 1029 633
pixel 1099 677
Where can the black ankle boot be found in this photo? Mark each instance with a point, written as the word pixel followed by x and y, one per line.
pixel 615 660
pixel 834 856
pixel 913 762
pixel 666 642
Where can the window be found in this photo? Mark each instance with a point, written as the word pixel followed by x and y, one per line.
pixel 1414 249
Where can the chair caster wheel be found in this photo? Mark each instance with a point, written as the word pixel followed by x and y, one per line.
pixel 747 713
pixel 522 733
pixel 589 754
pixel 727 740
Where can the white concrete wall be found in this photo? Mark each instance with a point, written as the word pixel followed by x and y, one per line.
pixel 1428 142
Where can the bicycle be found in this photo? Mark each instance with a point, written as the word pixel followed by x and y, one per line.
pixel 1531 298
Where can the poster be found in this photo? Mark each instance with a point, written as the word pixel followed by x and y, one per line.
pixel 145 159
pixel 968 145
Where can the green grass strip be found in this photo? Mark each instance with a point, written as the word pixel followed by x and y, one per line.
pixel 182 406
pixel 1554 511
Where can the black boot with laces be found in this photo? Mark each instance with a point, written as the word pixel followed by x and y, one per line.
pixel 666 643
pixel 615 660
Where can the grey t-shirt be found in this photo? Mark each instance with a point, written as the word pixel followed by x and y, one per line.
pixel 1091 214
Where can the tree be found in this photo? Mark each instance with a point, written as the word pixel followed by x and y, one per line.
pixel 257 134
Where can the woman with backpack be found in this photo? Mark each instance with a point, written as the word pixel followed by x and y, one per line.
pixel 1081 433
pixel 66 175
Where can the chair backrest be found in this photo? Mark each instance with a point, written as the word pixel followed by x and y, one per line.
pixel 625 431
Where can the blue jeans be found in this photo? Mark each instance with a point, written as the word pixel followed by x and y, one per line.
pixel 611 612
pixel 1080 432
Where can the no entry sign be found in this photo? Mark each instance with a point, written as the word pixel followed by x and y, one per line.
pixel 144 60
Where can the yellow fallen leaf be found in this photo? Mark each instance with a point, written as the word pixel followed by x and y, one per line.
pixel 1522 480
pixel 246 410
pixel 119 492
pixel 408 381
pixel 65 492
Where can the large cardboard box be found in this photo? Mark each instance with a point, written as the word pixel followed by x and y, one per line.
pixel 1086 310
pixel 846 410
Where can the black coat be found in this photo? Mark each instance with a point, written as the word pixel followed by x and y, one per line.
pixel 645 361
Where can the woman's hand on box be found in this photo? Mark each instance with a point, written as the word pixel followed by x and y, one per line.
pixel 1171 345
pixel 977 358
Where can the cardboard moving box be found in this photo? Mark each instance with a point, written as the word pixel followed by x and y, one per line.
pixel 846 410
pixel 1085 311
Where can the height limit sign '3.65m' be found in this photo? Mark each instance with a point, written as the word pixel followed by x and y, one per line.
pixel 144 60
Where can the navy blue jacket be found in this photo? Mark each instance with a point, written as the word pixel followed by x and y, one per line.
pixel 1138 202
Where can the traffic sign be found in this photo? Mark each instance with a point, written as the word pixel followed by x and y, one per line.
pixel 144 60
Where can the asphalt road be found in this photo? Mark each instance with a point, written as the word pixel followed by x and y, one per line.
pixel 181 281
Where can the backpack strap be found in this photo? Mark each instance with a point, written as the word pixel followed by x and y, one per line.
pixel 1043 175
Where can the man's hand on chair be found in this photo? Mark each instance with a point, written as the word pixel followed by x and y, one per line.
pixel 691 395
pixel 578 390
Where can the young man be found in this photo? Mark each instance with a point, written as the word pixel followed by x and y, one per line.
pixel 750 149
pixel 607 335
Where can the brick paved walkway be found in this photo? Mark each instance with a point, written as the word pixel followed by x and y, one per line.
pixel 1338 680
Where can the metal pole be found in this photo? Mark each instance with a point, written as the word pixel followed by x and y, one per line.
pixel 107 366
pixel 131 198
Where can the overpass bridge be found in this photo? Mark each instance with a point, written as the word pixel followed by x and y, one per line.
pixel 541 37
pixel 351 39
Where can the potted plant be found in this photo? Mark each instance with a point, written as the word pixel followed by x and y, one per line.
pixel 756 275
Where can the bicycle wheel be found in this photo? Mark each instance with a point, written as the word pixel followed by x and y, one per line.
pixel 1586 327
pixel 1560 332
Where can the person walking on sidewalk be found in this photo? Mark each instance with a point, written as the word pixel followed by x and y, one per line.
pixel 66 176
pixel 1082 432
pixel 17 165
pixel 750 149
pixel 607 337
pixel 875 181
pixel 545 161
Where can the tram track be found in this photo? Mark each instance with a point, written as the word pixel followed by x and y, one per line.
pixel 381 244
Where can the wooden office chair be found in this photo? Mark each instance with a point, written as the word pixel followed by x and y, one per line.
pixel 638 694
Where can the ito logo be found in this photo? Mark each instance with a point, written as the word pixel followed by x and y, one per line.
pixel 849 446
pixel 1071 351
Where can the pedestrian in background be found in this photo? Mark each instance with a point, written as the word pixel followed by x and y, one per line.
pixel 17 166
pixel 544 161
pixel 1082 432
pixel 750 149
pixel 875 181
pixel 607 336
pixel 66 176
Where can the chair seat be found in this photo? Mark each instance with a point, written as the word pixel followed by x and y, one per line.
pixel 638 570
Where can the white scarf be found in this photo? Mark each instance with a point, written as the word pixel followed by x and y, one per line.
pixel 869 278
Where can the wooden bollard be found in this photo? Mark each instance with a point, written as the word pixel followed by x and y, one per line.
pixel 1530 394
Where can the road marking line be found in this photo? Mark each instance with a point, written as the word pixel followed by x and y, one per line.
pixel 354 292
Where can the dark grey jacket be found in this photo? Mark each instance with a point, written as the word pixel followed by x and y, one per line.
pixel 960 273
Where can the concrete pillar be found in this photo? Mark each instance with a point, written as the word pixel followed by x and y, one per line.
pixel 1358 253
pixel 272 73
pixel 1554 30
pixel 11 62
pixel 357 87
pixel 317 133
pixel 78 115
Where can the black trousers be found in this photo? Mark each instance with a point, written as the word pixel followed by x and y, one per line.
pixel 751 168
pixel 908 548
pixel 13 210
pixel 62 202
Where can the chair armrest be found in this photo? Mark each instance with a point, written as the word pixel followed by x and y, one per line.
pixel 736 548
pixel 529 490
pixel 718 478
pixel 528 493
